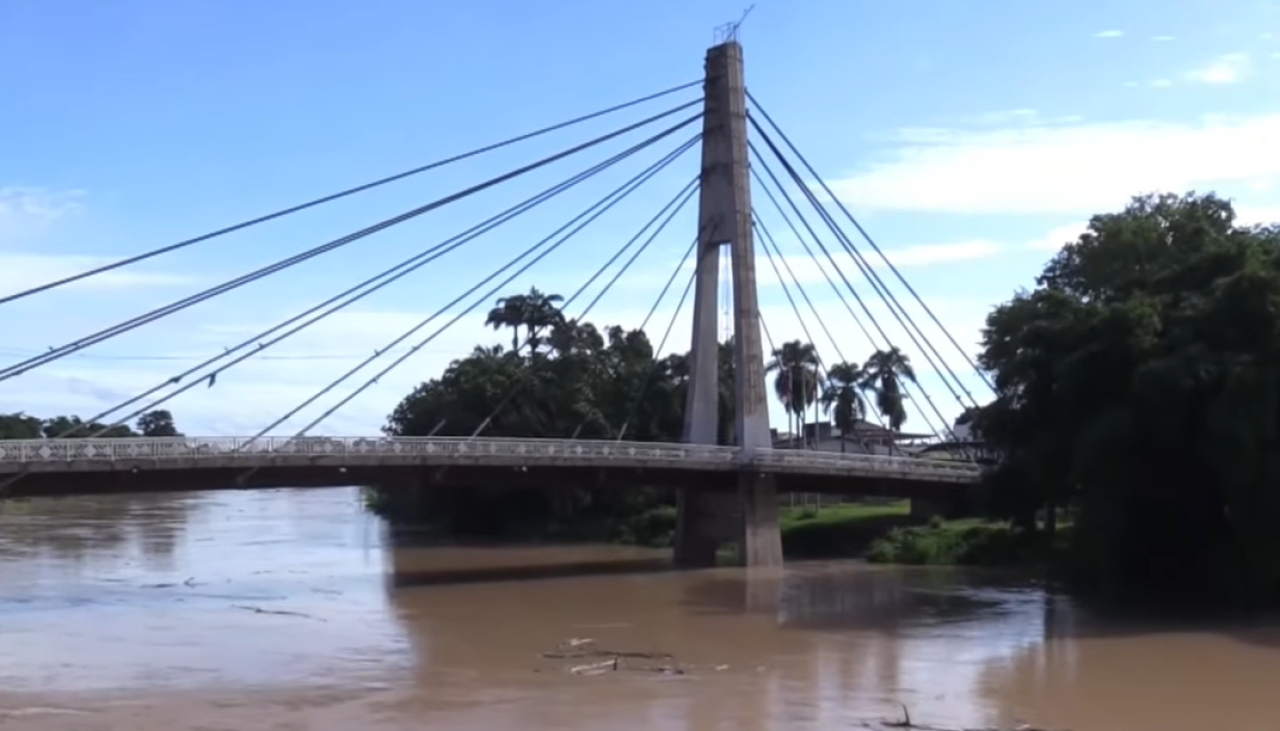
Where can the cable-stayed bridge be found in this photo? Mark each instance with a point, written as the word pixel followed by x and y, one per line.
pixel 726 491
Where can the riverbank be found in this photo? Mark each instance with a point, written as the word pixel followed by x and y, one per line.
pixel 888 534
pixel 880 532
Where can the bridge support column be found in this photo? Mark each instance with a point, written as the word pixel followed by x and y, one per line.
pixel 724 217
pixel 701 516
pixel 761 542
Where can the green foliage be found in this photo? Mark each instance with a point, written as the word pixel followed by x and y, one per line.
pixel 157 423
pixel 962 543
pixel 21 426
pixel 883 375
pixel 1140 382
pixel 842 396
pixel 839 531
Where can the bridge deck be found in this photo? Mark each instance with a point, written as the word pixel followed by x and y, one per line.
pixel 67 456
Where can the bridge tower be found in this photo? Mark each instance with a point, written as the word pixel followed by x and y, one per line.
pixel 749 515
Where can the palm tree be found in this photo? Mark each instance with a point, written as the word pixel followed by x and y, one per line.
pixel 541 311
pixel 883 375
pixel 842 397
pixel 797 381
pixel 533 311
pixel 508 313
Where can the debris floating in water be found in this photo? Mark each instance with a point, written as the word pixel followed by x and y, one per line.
pixel 609 661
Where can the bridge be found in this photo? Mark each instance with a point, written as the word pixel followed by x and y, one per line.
pixel 726 492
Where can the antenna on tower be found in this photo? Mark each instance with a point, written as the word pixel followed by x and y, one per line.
pixel 728 33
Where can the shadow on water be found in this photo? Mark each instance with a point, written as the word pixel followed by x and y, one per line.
pixel 827 595
pixel 83 527
pixel 408 577
pixel 418 560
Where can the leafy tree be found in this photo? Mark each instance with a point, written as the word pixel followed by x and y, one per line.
pixel 22 426
pixel 19 426
pixel 158 423
pixel 883 375
pixel 72 427
pixel 1140 382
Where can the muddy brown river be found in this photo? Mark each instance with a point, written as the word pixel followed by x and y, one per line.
pixel 285 610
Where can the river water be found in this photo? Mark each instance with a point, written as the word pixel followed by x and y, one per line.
pixel 285 610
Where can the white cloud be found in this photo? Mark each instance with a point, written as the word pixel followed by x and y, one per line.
pixel 1225 70
pixel 1070 233
pixel 1131 84
pixel 1078 169
pixel 22 271
pixel 1006 116
pixel 929 254
pixel 1109 34
pixel 1058 237
pixel 1160 83
pixel 23 209
pixel 810 269
pixel 1257 215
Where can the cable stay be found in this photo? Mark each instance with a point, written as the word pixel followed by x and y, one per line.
pixel 823 370
pixel 341 194
pixel 841 297
pixel 896 272
pixel 769 243
pixel 891 302
pixel 848 285
pixel 581 221
pixel 809 252
pixel 666 334
pixel 100 336
pixel 671 209
pixel 353 294
pixel 834 288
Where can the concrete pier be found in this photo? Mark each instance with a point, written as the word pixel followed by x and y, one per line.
pixel 750 515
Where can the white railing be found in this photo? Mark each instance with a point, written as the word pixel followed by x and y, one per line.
pixel 817 462
pixel 100 454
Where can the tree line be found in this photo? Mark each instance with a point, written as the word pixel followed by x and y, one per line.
pixel 158 423
pixel 568 378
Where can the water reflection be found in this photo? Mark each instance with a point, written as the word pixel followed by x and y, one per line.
pixel 293 608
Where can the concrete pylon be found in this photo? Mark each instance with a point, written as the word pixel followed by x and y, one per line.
pixel 707 518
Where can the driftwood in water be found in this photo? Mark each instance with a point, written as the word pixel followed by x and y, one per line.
pixel 906 723
pixel 608 661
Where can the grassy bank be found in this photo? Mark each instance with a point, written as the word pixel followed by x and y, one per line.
pixel 965 543
pixel 839 531
pixel 887 533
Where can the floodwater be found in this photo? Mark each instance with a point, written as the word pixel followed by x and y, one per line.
pixel 292 609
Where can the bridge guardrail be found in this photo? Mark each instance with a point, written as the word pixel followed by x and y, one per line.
pixel 501 449
pixel 182 448
pixel 835 462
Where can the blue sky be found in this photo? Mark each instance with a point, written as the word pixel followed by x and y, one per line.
pixel 971 140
